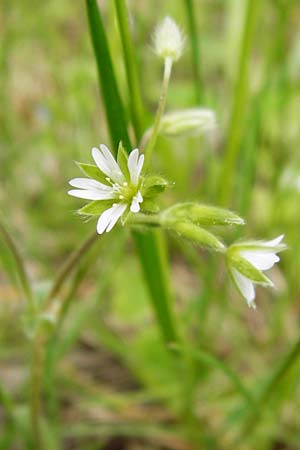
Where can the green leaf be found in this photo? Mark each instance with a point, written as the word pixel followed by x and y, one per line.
pixel 96 207
pixel 92 171
pixel 149 206
pixel 122 158
pixel 153 185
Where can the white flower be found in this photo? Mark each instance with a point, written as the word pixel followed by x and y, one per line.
pixel 120 190
pixel 247 260
pixel 168 40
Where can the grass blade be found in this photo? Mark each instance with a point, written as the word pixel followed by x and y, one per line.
pixel 150 246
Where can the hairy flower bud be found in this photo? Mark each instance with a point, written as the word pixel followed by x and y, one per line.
pixel 168 40
pixel 202 215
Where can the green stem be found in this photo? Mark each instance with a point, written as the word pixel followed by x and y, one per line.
pixel 239 105
pixel 135 102
pixel 160 110
pixel 20 267
pixel 194 41
pixel 36 387
pixel 69 266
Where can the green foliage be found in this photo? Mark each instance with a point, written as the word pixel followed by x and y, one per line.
pixel 233 379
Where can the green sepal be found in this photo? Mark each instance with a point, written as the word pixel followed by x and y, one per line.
pixel 153 185
pixel 96 207
pixel 198 235
pixel 122 159
pixel 125 216
pixel 149 206
pixel 202 215
pixel 92 171
pixel 247 269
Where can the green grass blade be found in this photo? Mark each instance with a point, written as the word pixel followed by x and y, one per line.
pixel 113 105
pixel 213 361
pixel 135 101
pixel 194 42
pixel 239 104
pixel 150 246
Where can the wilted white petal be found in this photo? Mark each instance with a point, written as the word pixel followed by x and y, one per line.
pixel 92 194
pixel 87 183
pixel 245 287
pixel 259 259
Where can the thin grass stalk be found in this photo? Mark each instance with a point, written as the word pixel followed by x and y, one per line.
pixel 213 361
pixel 135 101
pixel 194 42
pixel 150 246
pixel 70 264
pixel 266 393
pixel 236 123
pixel 20 269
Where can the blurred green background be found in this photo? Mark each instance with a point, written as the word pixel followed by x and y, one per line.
pixel 115 386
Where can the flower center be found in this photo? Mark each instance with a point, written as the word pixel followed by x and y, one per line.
pixel 124 192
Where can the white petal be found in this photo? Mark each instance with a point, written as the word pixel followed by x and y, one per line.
pixel 259 259
pixel 87 183
pixel 109 217
pixel 135 206
pixel 245 286
pixel 140 165
pixel 139 197
pixel 92 194
pixel 116 173
pixel 100 161
pixel 120 209
pixel 107 164
pixel 132 164
pixel 274 242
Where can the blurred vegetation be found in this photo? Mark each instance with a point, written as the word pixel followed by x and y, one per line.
pixel 109 382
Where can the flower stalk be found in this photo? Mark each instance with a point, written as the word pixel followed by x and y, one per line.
pixel 160 110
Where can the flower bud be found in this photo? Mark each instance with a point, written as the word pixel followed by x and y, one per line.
pixel 201 215
pixel 198 235
pixel 168 40
pixel 188 122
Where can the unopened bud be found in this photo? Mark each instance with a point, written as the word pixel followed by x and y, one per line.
pixel 198 235
pixel 202 215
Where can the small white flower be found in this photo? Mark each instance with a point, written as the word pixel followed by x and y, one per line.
pixel 247 260
pixel 168 40
pixel 121 191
